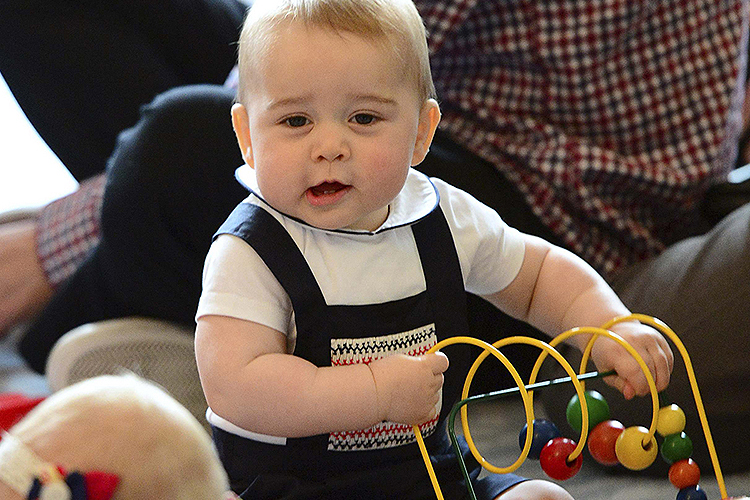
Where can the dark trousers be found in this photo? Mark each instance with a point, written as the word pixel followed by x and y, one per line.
pixel 81 69
pixel 170 184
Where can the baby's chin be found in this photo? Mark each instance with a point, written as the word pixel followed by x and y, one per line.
pixel 334 226
pixel 330 223
pixel 370 222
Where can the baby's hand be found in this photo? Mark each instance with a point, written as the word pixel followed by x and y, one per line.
pixel 409 387
pixel 650 344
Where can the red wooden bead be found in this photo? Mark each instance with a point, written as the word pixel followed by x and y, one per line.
pixel 602 439
pixel 684 473
pixel 554 459
pixel 543 431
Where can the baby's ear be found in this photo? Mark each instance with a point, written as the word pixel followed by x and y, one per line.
pixel 429 117
pixel 241 124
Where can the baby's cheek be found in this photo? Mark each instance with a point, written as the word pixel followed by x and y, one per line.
pixel 278 185
pixel 390 168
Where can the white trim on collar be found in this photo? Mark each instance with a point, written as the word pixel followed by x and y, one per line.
pixel 417 199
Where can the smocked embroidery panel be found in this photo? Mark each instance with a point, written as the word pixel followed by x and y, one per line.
pixel 366 350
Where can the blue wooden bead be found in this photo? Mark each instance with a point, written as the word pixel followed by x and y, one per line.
pixel 692 493
pixel 544 432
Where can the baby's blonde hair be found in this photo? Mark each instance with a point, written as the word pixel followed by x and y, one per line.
pixel 396 23
pixel 126 426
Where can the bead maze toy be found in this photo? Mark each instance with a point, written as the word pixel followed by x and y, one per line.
pixel 609 443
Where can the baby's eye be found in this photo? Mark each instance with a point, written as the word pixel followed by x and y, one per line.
pixel 296 121
pixel 364 119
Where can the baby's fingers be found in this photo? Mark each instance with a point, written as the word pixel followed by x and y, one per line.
pixel 655 352
pixel 631 379
pixel 663 362
pixel 438 362
pixel 619 383
pixel 659 360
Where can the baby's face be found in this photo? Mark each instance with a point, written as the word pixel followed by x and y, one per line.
pixel 334 125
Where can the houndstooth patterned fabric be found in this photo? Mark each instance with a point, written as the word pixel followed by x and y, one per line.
pixel 611 116
pixel 68 228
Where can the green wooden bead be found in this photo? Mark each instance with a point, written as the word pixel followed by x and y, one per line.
pixel 676 447
pixel 598 410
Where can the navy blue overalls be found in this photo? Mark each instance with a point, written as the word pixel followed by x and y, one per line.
pixel 365 465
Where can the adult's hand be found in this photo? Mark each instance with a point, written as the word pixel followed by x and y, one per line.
pixel 24 289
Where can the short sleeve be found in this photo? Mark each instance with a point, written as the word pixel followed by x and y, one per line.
pixel 490 251
pixel 238 284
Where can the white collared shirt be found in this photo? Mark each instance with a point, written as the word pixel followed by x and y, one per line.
pixel 360 267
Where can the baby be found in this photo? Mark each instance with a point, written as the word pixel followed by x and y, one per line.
pixel 326 287
pixel 110 437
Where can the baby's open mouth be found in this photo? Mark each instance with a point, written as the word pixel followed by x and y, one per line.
pixel 326 188
pixel 326 193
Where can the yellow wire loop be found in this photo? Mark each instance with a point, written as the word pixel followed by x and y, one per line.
pixel 524 395
pixel 604 332
pixel 666 330
pixel 527 396
pixel 547 349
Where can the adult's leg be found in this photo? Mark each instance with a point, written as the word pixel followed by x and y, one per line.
pixel 80 70
pixel 701 288
pixel 169 186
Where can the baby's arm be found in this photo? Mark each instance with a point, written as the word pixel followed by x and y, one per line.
pixel 555 290
pixel 249 380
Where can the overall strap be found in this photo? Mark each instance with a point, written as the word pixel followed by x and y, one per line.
pixel 447 296
pixel 274 245
pixel 442 272
pixel 277 249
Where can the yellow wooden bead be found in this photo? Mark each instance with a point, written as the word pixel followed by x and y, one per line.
pixel 671 420
pixel 630 450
